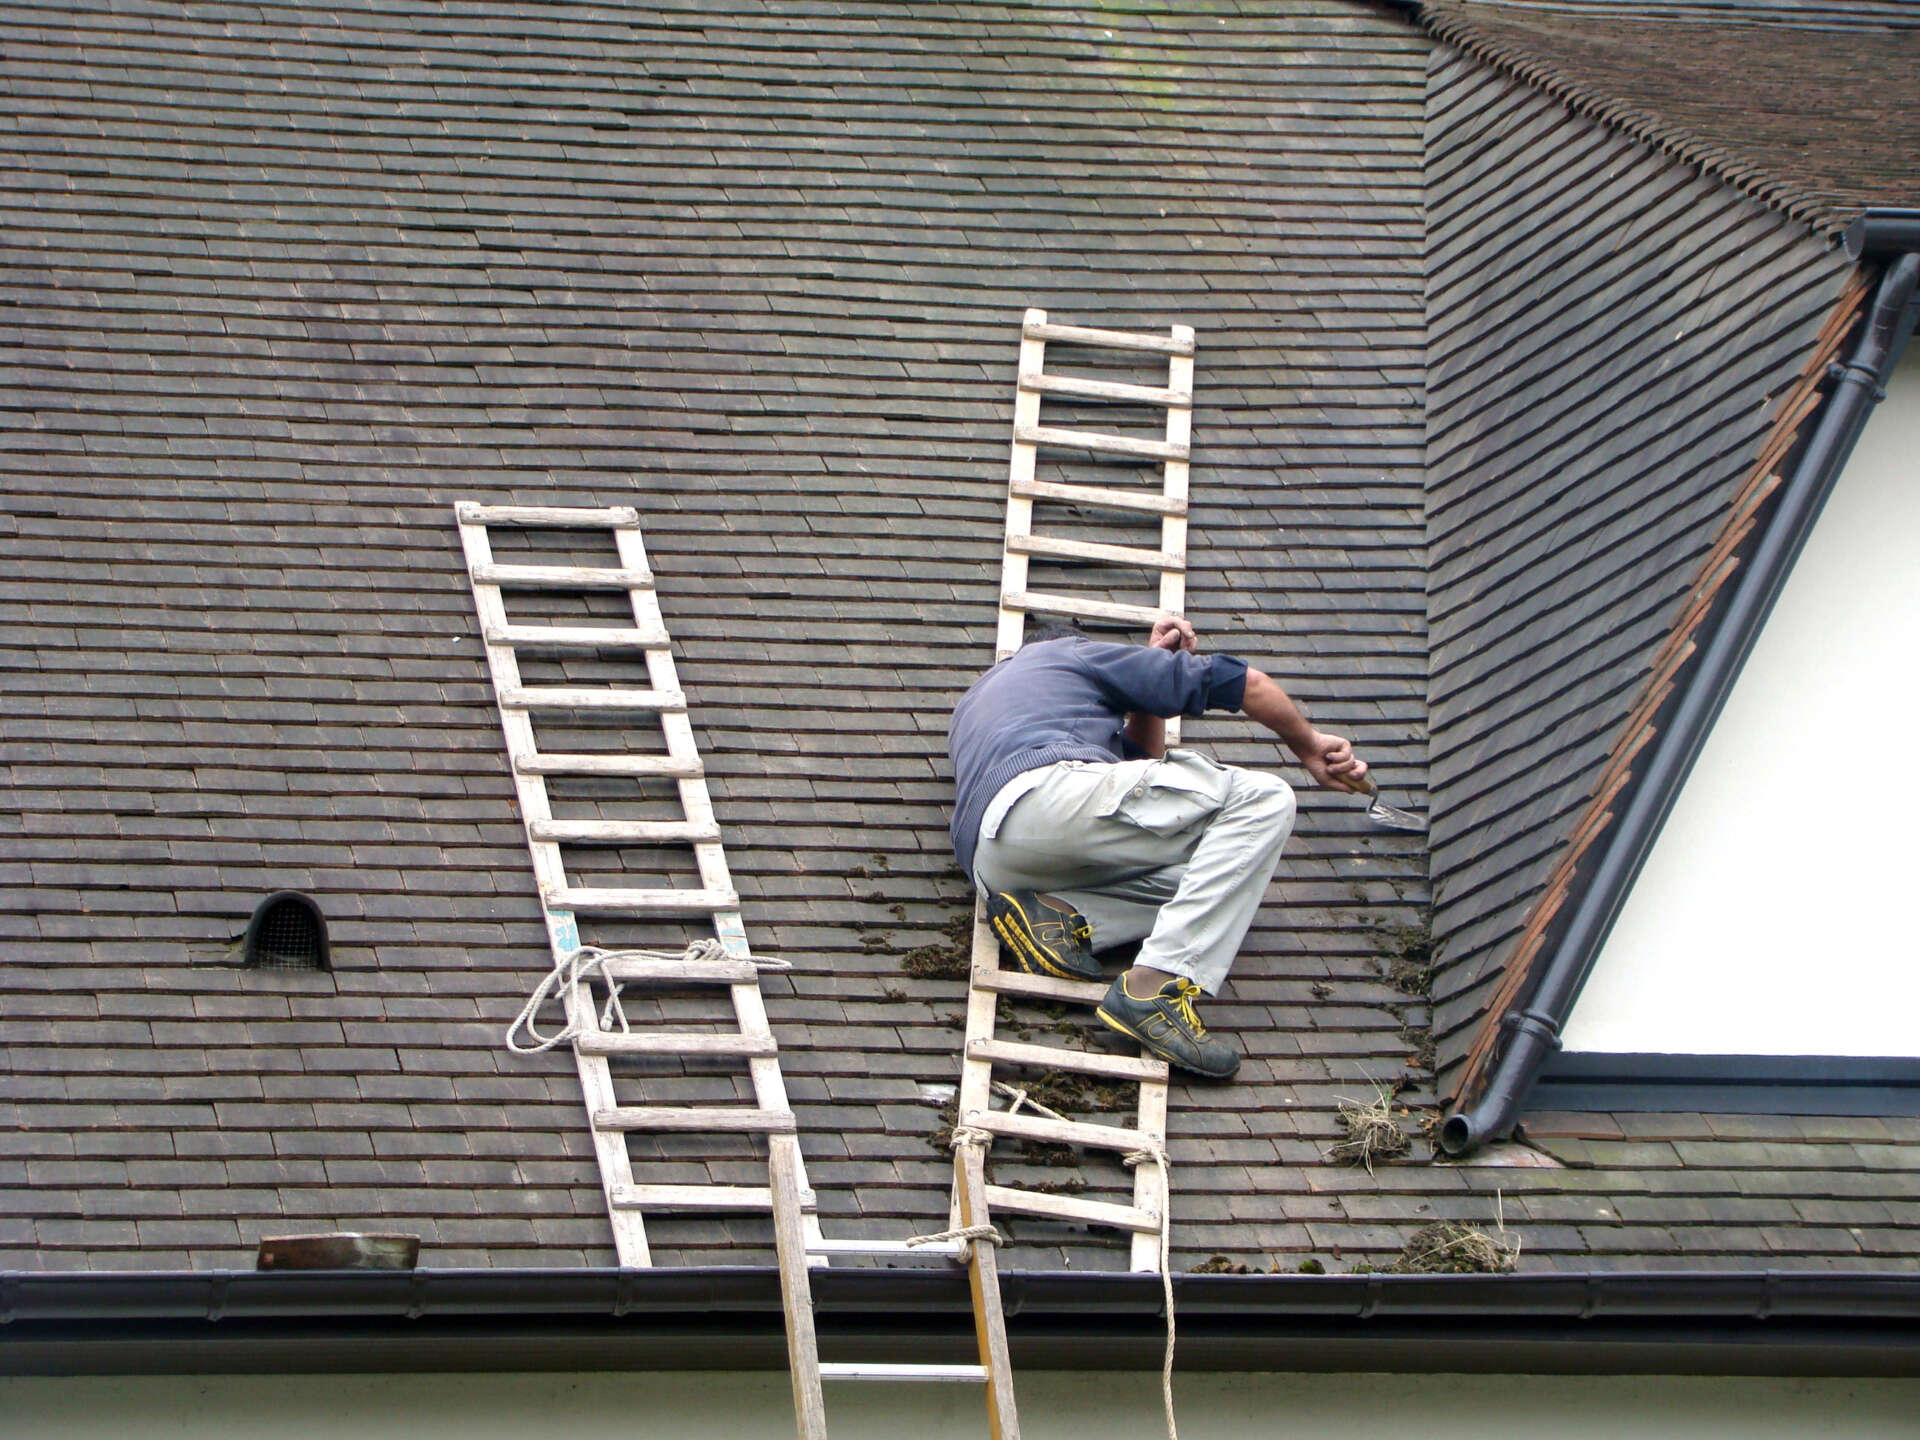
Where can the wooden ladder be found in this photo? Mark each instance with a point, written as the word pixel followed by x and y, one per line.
pixel 1147 1218
pixel 798 1241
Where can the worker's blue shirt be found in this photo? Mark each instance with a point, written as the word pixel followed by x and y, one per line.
pixel 1067 699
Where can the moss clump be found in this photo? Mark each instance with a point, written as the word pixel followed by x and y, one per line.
pixel 1419 1040
pixel 941 1137
pixel 1452 1248
pixel 1065 1185
pixel 1221 1265
pixel 1046 1152
pixel 950 958
pixel 1408 952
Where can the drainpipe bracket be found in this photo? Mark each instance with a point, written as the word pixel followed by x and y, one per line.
pixel 1540 1026
pixel 1838 371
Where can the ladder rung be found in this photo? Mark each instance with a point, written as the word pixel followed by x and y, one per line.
pixel 698 1117
pixel 1056 1057
pixel 1099 443
pixel 937 1249
pixel 621 1043
pixel 642 902
pixel 1060 1132
pixel 618 517
pixel 713 972
pixel 1106 390
pixel 1041 987
pixel 1149 501
pixel 664 765
pixel 623 832
pixel 861 1370
pixel 1069 1207
pixel 576 637
pixel 1064 549
pixel 561 577
pixel 1034 601
pixel 553 697
pixel 1116 339
pixel 692 1197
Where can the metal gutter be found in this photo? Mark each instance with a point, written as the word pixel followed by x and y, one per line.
pixel 1882 233
pixel 1859 385
pixel 202 1322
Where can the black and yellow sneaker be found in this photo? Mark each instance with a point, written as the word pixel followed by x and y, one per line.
pixel 1166 1024
pixel 1043 935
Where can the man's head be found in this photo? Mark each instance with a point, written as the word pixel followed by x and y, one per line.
pixel 1041 631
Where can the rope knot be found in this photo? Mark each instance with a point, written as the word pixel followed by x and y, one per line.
pixel 982 1234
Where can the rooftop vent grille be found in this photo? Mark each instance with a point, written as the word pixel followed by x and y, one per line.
pixel 287 932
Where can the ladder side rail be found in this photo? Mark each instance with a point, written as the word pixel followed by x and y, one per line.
pixel 983 1279
pixel 976 1070
pixel 563 936
pixel 1173 528
pixel 1013 563
pixel 796 1291
pixel 1150 1190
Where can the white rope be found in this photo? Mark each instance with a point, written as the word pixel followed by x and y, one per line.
pixel 984 1233
pixel 579 968
pixel 1156 1154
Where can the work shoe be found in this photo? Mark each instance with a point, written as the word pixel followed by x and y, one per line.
pixel 1166 1025
pixel 1043 935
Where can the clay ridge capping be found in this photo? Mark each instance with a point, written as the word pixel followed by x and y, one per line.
pixel 1721 561
pixel 1813 169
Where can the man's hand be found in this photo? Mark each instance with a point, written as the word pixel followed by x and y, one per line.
pixel 1174 633
pixel 1331 761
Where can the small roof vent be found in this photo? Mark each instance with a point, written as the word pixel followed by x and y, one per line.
pixel 287 932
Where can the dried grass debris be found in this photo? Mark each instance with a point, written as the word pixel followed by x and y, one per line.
pixel 1373 1131
pixel 1450 1247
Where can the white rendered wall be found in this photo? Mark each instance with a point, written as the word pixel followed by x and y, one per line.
pixel 718 1406
pixel 1772 915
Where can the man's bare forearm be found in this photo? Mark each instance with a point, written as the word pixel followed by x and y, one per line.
pixel 1266 702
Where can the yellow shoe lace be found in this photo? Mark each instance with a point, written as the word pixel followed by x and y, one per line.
pixel 1184 992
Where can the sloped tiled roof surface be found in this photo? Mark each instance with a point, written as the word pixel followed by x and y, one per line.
pixel 1620 354
pixel 1609 335
pixel 1806 106
pixel 279 283
pixel 282 282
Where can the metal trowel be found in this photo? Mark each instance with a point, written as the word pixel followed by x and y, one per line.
pixel 1386 816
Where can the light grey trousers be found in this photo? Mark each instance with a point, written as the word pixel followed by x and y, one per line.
pixel 1174 852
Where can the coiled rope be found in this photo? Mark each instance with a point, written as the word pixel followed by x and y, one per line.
pixel 580 968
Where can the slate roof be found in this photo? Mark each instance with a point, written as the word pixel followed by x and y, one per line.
pixel 1622 353
pixel 282 283
pixel 1601 379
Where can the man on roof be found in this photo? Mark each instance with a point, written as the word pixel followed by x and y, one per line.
pixel 1086 833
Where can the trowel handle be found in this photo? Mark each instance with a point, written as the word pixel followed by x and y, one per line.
pixel 1363 786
